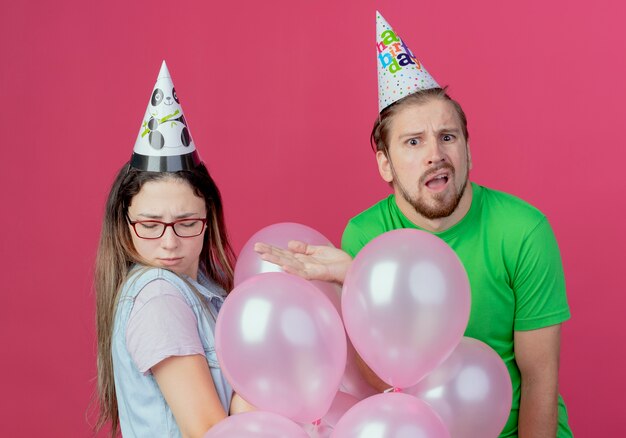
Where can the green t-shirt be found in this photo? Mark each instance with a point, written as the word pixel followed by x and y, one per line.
pixel 514 266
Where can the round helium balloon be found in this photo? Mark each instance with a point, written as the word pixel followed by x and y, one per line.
pixel 256 424
pixel 320 430
pixel 391 415
pixel 353 381
pixel 323 428
pixel 249 263
pixel 341 404
pixel 471 390
pixel 282 346
pixel 405 303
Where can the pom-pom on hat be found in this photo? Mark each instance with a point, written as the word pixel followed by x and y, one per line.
pixel 399 72
pixel 164 143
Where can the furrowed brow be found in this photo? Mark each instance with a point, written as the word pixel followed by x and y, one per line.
pixel 158 216
pixel 454 131
pixel 186 215
pixel 411 135
pixel 150 216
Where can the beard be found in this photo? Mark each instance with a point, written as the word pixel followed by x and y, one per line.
pixel 440 205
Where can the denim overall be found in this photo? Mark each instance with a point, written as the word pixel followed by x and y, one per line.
pixel 142 409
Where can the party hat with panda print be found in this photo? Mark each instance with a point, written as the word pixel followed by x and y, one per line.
pixel 164 143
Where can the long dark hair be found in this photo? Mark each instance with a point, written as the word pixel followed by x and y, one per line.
pixel 116 254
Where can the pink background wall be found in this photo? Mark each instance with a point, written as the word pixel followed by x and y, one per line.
pixel 280 97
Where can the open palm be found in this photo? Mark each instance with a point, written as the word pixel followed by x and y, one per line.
pixel 312 262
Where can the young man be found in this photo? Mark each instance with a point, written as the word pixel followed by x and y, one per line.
pixel 507 246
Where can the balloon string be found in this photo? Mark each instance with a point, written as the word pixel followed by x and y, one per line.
pixel 392 389
pixel 317 422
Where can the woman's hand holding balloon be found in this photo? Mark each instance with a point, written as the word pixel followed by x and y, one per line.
pixel 312 262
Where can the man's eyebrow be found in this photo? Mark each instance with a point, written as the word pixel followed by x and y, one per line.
pixel 411 134
pixel 445 129
pixel 450 130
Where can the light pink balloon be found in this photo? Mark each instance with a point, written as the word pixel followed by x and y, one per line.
pixel 256 424
pixel 321 430
pixel 391 415
pixel 341 404
pixel 250 264
pixel 406 302
pixel 282 346
pixel 353 381
pixel 471 390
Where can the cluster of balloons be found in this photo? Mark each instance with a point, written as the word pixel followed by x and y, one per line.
pixel 405 304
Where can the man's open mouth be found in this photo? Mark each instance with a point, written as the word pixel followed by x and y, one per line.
pixel 438 181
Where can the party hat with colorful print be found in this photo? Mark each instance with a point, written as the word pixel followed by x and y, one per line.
pixel 164 143
pixel 399 72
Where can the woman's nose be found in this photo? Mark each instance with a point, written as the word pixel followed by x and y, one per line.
pixel 169 239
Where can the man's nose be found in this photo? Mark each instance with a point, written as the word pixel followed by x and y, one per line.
pixel 435 152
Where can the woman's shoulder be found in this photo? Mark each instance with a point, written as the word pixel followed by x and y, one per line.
pixel 145 274
pixel 211 284
pixel 145 279
pixel 159 288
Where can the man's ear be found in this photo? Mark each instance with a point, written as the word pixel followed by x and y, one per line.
pixel 384 166
pixel 469 156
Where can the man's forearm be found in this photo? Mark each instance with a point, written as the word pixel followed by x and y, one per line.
pixel 538 412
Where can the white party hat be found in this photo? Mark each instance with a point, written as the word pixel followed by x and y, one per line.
pixel 399 72
pixel 164 143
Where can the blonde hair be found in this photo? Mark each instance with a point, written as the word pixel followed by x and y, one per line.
pixel 116 254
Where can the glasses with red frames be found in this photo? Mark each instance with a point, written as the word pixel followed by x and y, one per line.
pixel 153 229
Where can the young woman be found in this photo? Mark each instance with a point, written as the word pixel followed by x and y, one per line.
pixel 164 264
pixel 163 268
